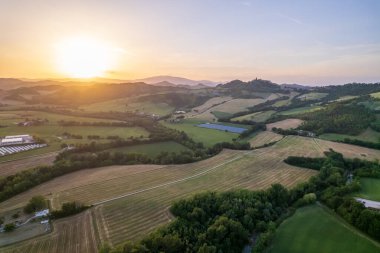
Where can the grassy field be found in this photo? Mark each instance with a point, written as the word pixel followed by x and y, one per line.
pixel 148 190
pixel 313 229
pixel 153 149
pixel 257 116
pixel 370 188
pixel 208 137
pixel 345 98
pixel 122 105
pixel 375 95
pixel 221 115
pixel 300 110
pixel 368 135
pixel 312 96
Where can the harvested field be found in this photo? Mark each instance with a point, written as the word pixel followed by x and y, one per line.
pixel 263 138
pixel 76 234
pixel 285 124
pixel 133 200
pixel 12 167
pixel 257 116
pixel 229 106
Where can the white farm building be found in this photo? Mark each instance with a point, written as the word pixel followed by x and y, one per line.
pixel 16 139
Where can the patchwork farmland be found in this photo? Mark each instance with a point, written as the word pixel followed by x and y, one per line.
pixel 133 200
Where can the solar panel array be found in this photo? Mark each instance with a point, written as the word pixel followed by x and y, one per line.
pixel 8 150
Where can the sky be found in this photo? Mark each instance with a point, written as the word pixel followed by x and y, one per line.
pixel 301 41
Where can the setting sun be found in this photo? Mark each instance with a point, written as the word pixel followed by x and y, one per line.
pixel 83 57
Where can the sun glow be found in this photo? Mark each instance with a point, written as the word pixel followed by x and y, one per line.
pixel 84 57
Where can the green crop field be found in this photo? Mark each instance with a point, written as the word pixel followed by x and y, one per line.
pixel 208 137
pixel 312 229
pixel 368 135
pixel 312 96
pixel 153 149
pixel 221 115
pixel 301 110
pixel 344 98
pixel 370 188
pixel 375 95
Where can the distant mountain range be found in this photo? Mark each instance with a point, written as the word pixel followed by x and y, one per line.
pixel 12 83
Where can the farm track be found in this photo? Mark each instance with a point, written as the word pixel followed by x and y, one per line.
pixel 132 205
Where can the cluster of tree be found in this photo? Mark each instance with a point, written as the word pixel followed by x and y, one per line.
pixel 305 162
pixel 95 124
pixel 367 144
pixel 68 209
pixel 293 132
pixel 375 126
pixel 215 222
pixel 72 136
pixel 238 88
pixel 35 204
pixel 93 137
pixel 338 118
pixel 9 227
pixel 355 213
pixel 253 128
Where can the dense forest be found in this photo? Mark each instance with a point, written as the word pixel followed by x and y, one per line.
pixel 338 118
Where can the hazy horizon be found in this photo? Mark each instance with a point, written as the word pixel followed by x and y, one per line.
pixel 318 43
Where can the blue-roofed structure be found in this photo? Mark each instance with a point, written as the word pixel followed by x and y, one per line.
pixel 230 129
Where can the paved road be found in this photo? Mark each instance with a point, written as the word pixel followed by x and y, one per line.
pixel 369 203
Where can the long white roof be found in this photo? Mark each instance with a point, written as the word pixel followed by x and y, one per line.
pixel 16 136
pixel 8 140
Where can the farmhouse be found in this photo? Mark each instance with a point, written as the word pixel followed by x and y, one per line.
pixel 42 213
